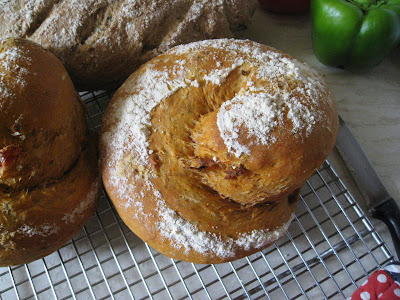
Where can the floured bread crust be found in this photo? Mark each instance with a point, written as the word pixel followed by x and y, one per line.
pixel 49 180
pixel 37 222
pixel 101 42
pixel 204 148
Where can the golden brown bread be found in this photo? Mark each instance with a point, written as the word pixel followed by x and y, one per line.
pixel 49 181
pixel 204 148
pixel 36 222
pixel 102 42
pixel 41 116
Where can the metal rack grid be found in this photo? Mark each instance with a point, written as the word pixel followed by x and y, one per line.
pixel 328 251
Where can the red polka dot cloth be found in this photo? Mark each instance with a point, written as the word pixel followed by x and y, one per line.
pixel 383 284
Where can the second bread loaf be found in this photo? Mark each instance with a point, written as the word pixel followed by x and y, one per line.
pixel 102 42
pixel 49 180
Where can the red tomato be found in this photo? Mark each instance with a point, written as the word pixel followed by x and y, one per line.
pixel 285 6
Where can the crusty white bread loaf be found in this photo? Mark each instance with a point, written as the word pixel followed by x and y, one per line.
pixel 204 148
pixel 101 42
pixel 49 180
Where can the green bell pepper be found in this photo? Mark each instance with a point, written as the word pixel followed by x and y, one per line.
pixel 354 34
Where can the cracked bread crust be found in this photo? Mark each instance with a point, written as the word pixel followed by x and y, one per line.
pixel 204 148
pixel 101 42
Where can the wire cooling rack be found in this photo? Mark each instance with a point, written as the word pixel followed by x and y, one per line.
pixel 328 251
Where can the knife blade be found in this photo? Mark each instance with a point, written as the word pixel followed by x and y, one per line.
pixel 380 204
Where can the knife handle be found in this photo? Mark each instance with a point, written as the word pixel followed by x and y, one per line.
pixel 389 213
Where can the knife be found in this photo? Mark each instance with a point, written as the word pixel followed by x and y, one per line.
pixel 380 204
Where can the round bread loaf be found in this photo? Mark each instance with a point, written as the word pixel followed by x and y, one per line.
pixel 102 42
pixel 204 148
pixel 49 181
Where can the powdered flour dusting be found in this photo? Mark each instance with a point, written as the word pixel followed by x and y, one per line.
pixel 9 65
